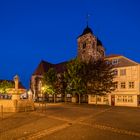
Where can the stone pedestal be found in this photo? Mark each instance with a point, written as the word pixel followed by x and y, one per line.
pixel 15 97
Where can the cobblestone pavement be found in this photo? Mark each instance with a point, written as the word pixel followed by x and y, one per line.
pixel 72 122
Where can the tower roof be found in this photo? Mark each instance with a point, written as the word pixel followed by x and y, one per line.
pixel 99 43
pixel 86 31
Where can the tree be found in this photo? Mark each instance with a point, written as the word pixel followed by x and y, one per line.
pixel 61 85
pixel 74 78
pixel 5 85
pixel 99 77
pixel 49 82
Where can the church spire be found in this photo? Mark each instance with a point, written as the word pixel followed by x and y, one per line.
pixel 87 19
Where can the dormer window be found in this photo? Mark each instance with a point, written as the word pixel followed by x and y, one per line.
pixel 115 61
pixel 108 62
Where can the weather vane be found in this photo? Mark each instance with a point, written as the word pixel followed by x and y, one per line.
pixel 87 18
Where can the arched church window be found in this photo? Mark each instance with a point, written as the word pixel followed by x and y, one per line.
pixel 39 85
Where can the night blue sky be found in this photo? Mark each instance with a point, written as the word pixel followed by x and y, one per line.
pixel 32 30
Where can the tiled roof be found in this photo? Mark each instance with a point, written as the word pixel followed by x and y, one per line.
pixel 20 86
pixel 112 55
pixel 44 67
pixel 122 61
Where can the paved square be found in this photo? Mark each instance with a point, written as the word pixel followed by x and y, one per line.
pixel 73 122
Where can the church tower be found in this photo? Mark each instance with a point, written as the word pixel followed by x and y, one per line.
pixel 89 47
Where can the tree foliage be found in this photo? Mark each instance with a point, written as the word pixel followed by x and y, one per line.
pixel 94 77
pixel 74 77
pixel 99 77
pixel 5 85
pixel 49 81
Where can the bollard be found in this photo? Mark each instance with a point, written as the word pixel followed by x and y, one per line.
pixel 45 107
pixel 42 107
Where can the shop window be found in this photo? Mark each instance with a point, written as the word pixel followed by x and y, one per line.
pixel 105 99
pixel 130 99
pixel 119 98
pixel 98 99
pixel 125 99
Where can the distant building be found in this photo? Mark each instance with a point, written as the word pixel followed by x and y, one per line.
pixel 36 79
pixel 127 80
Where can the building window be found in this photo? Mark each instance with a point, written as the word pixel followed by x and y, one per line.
pixel 131 84
pixel 115 72
pixel 115 61
pixel 39 86
pixel 125 99
pixel 119 99
pixel 123 72
pixel 122 85
pixel 93 98
pixel 130 99
pixel 115 85
pixel 98 99
pixel 105 99
pixel 68 95
pixel 107 62
pixel 50 95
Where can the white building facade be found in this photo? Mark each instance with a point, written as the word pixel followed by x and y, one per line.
pixel 127 84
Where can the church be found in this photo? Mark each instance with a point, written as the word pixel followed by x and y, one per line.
pixel 127 79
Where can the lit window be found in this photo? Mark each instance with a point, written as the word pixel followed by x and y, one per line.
pixel 115 61
pixel 39 86
pixel 93 99
pixel 123 72
pixel 131 84
pixel 123 85
pixel 119 99
pixel 68 95
pixel 130 99
pixel 99 99
pixel 105 99
pixel 124 98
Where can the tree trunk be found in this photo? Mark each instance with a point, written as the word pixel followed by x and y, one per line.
pixel 79 99
pixel 96 99
pixel 54 98
pixel 65 97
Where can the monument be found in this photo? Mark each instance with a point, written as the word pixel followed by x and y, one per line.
pixel 16 104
